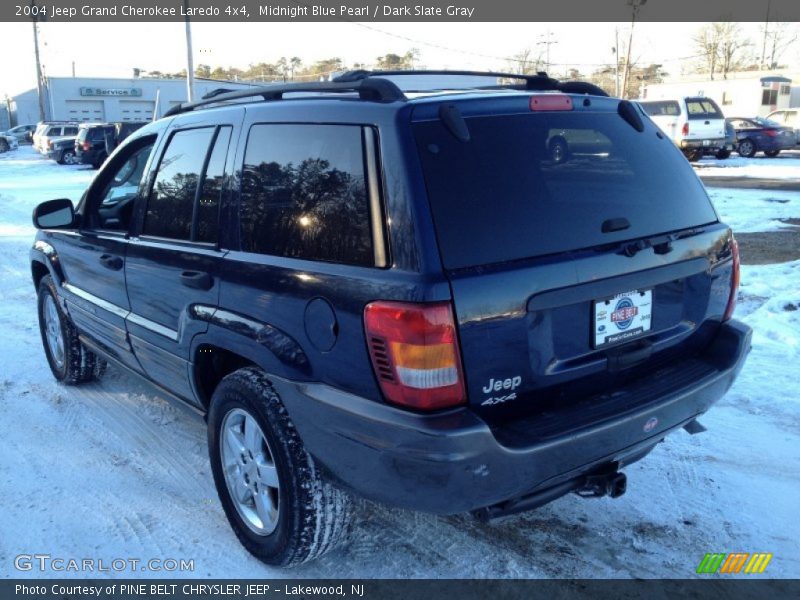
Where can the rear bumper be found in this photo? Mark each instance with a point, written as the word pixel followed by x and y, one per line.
pixel 708 144
pixel 454 462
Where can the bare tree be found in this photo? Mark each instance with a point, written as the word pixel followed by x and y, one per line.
pixel 706 40
pixel 732 45
pixel 525 63
pixel 780 36
pixel 721 48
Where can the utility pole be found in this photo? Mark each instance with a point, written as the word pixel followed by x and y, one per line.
pixel 73 69
pixel 635 6
pixel 189 60
pixel 616 62
pixel 766 32
pixel 547 41
pixel 39 82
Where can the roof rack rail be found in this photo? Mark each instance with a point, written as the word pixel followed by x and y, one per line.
pixel 538 82
pixel 373 89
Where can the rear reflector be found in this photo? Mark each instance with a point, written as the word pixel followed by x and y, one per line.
pixel 734 281
pixel 551 102
pixel 414 351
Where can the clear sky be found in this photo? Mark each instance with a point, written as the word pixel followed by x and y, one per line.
pixel 114 49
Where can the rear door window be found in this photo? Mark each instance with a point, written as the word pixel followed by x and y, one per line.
pixel 529 185
pixel 702 108
pixel 304 193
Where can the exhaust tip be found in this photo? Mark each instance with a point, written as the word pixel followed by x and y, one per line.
pixel 694 427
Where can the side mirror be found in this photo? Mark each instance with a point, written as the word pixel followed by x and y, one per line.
pixel 54 214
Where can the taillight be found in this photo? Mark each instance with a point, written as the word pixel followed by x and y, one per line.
pixel 734 281
pixel 685 130
pixel 414 351
pixel 550 102
pixel 771 132
pixel 86 146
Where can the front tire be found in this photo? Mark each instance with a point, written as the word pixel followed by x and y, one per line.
pixel 277 503
pixel 772 153
pixel 4 147
pixel 70 361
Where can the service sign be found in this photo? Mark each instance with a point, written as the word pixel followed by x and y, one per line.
pixel 98 91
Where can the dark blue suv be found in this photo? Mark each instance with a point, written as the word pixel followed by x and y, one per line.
pixel 453 300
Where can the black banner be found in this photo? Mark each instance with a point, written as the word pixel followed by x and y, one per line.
pixel 717 588
pixel 400 10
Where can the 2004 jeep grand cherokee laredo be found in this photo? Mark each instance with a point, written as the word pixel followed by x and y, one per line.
pixel 468 300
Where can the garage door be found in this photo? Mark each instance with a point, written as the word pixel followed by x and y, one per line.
pixel 85 110
pixel 136 110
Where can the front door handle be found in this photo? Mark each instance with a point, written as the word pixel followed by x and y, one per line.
pixel 197 280
pixel 109 261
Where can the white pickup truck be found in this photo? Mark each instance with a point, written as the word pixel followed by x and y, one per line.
pixel 695 124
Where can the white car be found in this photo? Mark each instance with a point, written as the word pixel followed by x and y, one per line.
pixel 696 124
pixel 8 142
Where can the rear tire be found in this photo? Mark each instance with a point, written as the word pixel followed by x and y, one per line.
pixel 772 153
pixel 3 146
pixel 67 158
pixel 70 361
pixel 283 512
pixel 746 148
pixel 723 154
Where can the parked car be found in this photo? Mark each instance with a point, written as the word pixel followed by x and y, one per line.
pixel 21 132
pixel 730 142
pixel 8 142
pixel 695 124
pixel 789 117
pixel 48 131
pixel 409 298
pixel 62 150
pixel 96 141
pixel 761 135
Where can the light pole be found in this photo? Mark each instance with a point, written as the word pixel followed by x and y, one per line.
pixel 635 6
pixel 189 60
pixel 39 80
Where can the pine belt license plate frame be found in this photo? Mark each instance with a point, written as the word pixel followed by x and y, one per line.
pixel 621 318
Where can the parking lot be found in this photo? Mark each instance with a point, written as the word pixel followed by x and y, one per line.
pixel 113 469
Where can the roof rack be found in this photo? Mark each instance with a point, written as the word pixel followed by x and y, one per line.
pixel 374 87
pixel 538 82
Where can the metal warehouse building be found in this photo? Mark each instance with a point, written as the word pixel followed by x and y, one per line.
pixel 107 99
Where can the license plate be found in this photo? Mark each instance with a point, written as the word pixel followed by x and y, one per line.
pixel 622 318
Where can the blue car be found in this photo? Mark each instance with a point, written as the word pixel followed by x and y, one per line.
pixel 463 301
pixel 761 135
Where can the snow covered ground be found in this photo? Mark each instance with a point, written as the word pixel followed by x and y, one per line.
pixel 784 166
pixel 111 470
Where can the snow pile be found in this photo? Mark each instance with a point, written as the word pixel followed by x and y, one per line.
pixel 111 470
pixel 751 210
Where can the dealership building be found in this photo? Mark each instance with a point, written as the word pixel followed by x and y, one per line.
pixel 107 99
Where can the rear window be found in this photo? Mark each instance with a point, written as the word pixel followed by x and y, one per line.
pixel 662 108
pixel 703 108
pixel 529 185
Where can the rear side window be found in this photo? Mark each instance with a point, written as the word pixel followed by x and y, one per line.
pixel 659 109
pixel 70 131
pixel 171 203
pixel 533 184
pixel 304 193
pixel 703 108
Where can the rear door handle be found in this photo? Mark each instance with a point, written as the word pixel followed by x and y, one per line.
pixel 109 261
pixel 197 280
